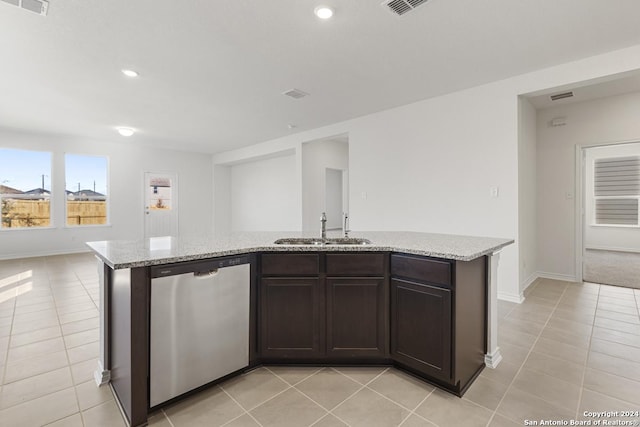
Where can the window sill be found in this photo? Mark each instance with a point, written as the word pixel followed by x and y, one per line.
pixel 14 229
pixel 81 227
pixel 614 226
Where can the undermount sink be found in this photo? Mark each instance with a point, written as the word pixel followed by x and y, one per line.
pixel 316 241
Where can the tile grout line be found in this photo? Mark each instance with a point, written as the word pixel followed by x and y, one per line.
pixel 246 412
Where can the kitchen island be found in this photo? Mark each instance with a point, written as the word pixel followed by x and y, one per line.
pixel 419 301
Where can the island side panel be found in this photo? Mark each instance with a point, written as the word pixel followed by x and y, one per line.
pixel 470 319
pixel 129 341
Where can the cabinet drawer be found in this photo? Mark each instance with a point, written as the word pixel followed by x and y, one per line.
pixel 290 264
pixel 421 269
pixel 356 264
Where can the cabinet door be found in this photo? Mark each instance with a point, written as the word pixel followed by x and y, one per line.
pixel 421 327
pixel 356 318
pixel 292 318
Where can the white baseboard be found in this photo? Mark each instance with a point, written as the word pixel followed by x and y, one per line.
pixel 528 282
pixel 34 254
pixel 492 360
pixel 554 276
pixel 101 375
pixel 613 249
pixel 506 296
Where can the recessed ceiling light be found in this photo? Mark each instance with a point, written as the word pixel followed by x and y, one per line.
pixel 130 73
pixel 125 131
pixel 323 12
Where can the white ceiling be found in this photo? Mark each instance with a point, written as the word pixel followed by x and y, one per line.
pixel 212 71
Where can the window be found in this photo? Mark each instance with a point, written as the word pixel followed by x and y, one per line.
pixel 617 190
pixel 87 189
pixel 25 188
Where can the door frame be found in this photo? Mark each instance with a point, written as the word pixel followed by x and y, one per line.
pixel 580 199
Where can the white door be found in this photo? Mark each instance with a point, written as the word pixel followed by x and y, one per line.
pixel 160 204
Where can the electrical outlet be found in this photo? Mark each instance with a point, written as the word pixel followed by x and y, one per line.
pixel 494 192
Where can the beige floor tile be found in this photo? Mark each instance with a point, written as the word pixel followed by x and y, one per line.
pixel 542 299
pixel 575 316
pixel 212 407
pixel 293 374
pixel 368 409
pixel 34 325
pixel 74 308
pixel 245 420
pixel 81 338
pixel 37 412
pixel 527 314
pixel 500 421
pixel 616 336
pixel 609 299
pixel 519 325
pixel 554 367
pixel 5 331
pixel 34 387
pixel 622 317
pixel 618 308
pixel 43 306
pixel 31 300
pixel 401 388
pixel 617 325
pixel 612 385
pixel 83 371
pixel 416 421
pixel 328 388
pixel 613 365
pixel 106 414
pixel 518 338
pixel 546 387
pixel 561 350
pixel 39 348
pixel 362 374
pixel 74 420
pixel 79 315
pixel 518 405
pixel 90 395
pixel 567 337
pixel 597 402
pixel 446 409
pixel 35 315
pixel 43 334
pixel 615 349
pixel 504 373
pixel 288 409
pixel 72 301
pixel 513 353
pixel 84 352
pixel 80 326
pixel 158 419
pixel 254 388
pixel 329 421
pixel 26 368
pixel 570 326
pixel 486 392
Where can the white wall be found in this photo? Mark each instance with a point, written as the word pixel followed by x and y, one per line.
pixel 428 166
pixel 618 238
pixel 527 210
pixel 317 156
pixel 127 164
pixel 264 195
pixel 587 123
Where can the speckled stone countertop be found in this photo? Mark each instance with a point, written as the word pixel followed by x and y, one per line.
pixel 120 254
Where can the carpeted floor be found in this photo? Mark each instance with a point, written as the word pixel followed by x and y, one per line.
pixel 612 268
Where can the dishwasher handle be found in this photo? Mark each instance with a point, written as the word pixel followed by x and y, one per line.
pixel 205 274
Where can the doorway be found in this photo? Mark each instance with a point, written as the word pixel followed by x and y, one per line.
pixel 610 223
pixel 160 204
pixel 336 204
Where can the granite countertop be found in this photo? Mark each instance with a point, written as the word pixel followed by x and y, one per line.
pixel 120 254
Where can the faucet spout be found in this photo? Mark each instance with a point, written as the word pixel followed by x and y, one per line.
pixel 345 227
pixel 323 227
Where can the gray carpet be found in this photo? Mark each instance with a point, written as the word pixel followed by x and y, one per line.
pixel 612 268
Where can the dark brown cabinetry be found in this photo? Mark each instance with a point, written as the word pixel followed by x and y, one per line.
pixel 438 318
pixel 329 307
pixel 357 306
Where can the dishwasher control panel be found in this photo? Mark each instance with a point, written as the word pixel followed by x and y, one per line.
pixel 200 266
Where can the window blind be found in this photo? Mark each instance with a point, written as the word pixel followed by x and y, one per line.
pixel 617 189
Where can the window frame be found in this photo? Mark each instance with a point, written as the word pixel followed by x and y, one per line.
pixel 107 195
pixel 613 197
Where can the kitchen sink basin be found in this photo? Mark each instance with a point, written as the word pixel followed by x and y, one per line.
pixel 317 241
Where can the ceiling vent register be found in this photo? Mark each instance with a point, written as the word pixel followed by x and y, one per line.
pixel 558 96
pixel 400 7
pixel 295 93
pixel 37 6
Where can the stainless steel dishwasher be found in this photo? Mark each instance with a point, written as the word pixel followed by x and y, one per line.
pixel 199 324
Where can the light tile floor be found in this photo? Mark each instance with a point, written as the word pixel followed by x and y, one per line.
pixel 569 348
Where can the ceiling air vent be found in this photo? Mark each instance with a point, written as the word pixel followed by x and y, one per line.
pixel 400 7
pixel 38 6
pixel 561 96
pixel 295 93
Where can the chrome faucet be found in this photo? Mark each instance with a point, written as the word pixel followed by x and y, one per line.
pixel 345 227
pixel 323 228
